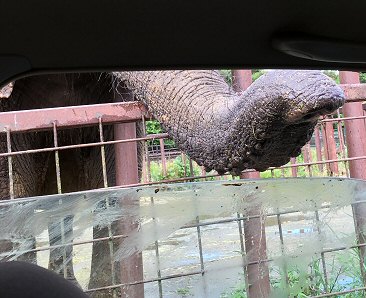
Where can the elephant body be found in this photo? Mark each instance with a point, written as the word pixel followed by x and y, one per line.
pixel 35 174
pixel 219 128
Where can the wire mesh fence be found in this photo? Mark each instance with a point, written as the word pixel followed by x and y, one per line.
pixel 180 246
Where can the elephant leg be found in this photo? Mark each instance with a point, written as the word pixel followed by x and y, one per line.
pixel 61 232
pixel 104 266
pixel 6 245
pixel 27 174
pixel 61 257
pixel 104 270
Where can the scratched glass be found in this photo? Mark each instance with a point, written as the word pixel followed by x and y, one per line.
pixel 194 238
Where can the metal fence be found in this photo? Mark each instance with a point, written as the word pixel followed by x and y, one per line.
pixel 326 155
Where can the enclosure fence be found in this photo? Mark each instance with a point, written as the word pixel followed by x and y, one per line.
pixel 327 154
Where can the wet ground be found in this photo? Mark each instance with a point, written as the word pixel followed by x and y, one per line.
pixel 221 251
pixel 163 210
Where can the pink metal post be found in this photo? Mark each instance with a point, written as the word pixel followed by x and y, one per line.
pixel 293 169
pixel 306 151
pixel 126 165
pixel 355 129
pixel 330 147
pixel 242 79
pixel 163 158
pixel 67 117
pixel 318 147
pixel 254 228
pixel 356 145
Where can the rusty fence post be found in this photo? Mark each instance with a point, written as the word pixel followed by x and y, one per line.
pixel 306 151
pixel 330 147
pixel 318 147
pixel 126 166
pixel 163 158
pixel 258 285
pixel 356 146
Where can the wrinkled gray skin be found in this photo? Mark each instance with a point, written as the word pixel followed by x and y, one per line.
pixel 219 128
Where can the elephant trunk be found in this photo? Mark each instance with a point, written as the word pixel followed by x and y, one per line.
pixel 227 131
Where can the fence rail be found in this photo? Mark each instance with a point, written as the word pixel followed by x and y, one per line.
pixel 330 152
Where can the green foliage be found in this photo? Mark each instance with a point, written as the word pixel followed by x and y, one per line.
pixel 362 77
pixel 333 74
pixel 238 292
pixel 174 169
pixel 311 282
pixel 226 73
pixel 154 127
pixel 257 73
pixel 303 171
pixel 184 292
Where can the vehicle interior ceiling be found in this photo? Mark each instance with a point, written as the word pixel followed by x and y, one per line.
pixel 68 36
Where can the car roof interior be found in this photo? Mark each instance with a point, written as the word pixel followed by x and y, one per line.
pixel 66 36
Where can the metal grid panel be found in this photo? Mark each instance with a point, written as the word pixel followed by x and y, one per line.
pixel 330 158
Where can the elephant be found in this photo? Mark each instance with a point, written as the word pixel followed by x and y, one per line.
pixel 228 131
pixel 219 128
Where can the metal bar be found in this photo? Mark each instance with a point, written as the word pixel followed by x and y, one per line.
pixel 353 92
pixel 67 117
pixel 242 79
pixel 59 191
pixel 10 165
pixel 203 171
pixel 341 143
pixel 144 281
pixel 257 279
pixel 57 160
pixel 191 171
pixel 293 169
pixel 152 137
pixel 340 293
pixel 157 255
pixel 148 179
pixel 21 200
pixel 68 244
pixel 307 157
pixel 242 250
pixel 102 153
pixel 50 149
pixel 284 266
pixel 254 230
pixel 200 251
pixel 330 147
pixel 349 118
pixel 163 159
pixel 64 255
pixel 126 165
pixel 318 147
pixel 259 261
pixel 183 156
pixel 105 183
pixel 322 254
pixel 319 233
pixel 199 239
pixel 147 156
pixel 233 219
pixel 256 250
pixel 356 145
